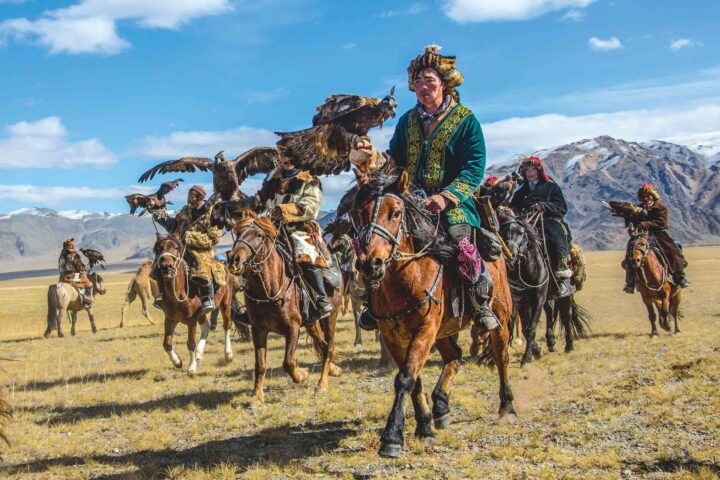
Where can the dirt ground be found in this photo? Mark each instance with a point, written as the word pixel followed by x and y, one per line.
pixel 112 406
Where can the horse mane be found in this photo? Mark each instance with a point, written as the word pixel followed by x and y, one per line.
pixel 423 230
pixel 264 223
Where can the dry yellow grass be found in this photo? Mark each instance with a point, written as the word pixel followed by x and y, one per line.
pixel 111 405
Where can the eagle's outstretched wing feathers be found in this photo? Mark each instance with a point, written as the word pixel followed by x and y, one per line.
pixel 94 257
pixel 256 160
pixel 185 164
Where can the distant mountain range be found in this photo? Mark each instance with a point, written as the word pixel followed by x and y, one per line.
pixel 687 174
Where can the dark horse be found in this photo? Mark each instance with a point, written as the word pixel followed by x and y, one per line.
pixel 653 283
pixel 404 258
pixel 181 302
pixel 528 274
pixel 272 298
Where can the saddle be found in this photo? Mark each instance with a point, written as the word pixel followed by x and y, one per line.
pixel 77 280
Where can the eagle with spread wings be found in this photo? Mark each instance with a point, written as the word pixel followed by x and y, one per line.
pixel 94 257
pixel 323 149
pixel 154 202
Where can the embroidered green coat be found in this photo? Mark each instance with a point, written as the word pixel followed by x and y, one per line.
pixel 451 159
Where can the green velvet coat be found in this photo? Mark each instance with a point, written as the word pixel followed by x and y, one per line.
pixel 451 158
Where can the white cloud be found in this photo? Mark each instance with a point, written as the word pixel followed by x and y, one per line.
pixel 506 138
pixel 414 9
pixel 90 25
pixel 44 144
pixel 265 96
pixel 600 45
pixel 58 195
pixel 574 15
pixel 676 45
pixel 206 143
pixel 488 10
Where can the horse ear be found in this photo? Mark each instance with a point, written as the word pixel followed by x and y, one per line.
pixel 175 237
pixel 401 184
pixel 158 236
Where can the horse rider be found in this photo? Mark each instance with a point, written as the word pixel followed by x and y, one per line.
pixel 441 145
pixel 538 193
pixel 199 232
pixel 293 197
pixel 73 271
pixel 652 217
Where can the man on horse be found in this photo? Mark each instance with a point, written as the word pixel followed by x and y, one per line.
pixel 73 271
pixel 199 233
pixel 293 197
pixel 441 144
pixel 652 216
pixel 539 194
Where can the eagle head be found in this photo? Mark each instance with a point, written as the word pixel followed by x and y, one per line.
pixel 219 157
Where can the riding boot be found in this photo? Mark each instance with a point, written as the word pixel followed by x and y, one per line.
pixel 313 276
pixel 562 279
pixel 680 279
pixel 208 297
pixel 158 300
pixel 87 298
pixel 629 280
pixel 481 295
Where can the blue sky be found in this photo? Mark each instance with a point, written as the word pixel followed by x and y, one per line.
pixel 96 91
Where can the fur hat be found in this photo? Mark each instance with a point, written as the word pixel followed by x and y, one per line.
pixel 198 189
pixel 445 66
pixel 648 189
pixel 69 244
pixel 491 182
pixel 537 164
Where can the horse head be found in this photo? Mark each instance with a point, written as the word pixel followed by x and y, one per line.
pixel 98 283
pixel 168 254
pixel 251 248
pixel 379 217
pixel 640 248
pixel 513 233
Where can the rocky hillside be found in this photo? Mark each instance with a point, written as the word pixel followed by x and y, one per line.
pixel 605 168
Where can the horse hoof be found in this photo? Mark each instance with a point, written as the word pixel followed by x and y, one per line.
pixel 178 365
pixel 46 334
pixel 390 450
pixel 425 440
pixel 72 333
pixel 229 357
pixel 442 421
pixel 334 370
pixel 524 363
pixel 654 335
pixel 551 348
pixel 537 352
pixel 61 335
pixel 569 348
pixel 509 417
pixel 191 372
pixel 94 330
pixel 254 403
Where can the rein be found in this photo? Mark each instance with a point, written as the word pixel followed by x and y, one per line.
pixel 645 251
pixel 173 273
pixel 521 253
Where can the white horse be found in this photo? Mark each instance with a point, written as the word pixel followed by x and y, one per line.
pixel 63 298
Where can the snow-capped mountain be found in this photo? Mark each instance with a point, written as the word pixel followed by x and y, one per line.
pixel 605 168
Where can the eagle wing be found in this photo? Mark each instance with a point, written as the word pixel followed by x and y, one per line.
pixel 256 160
pixel 323 150
pixel 168 187
pixel 339 105
pixel 185 164
pixel 94 257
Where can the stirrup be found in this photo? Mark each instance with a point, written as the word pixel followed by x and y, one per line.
pixel 485 319
pixel 208 305
pixel 158 302
pixel 629 289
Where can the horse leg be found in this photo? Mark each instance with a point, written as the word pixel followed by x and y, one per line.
pixel 204 331
pixel 500 340
pixel 192 347
pixel 392 439
pixel 259 337
pixel 168 342
pixel 650 306
pixel 92 319
pixel 524 311
pixel 549 325
pixel 73 321
pixel 62 313
pixel 144 297
pixel 385 362
pixel 423 430
pixel 297 374
pixel 358 330
pixel 665 309
pixel 451 356
pixel 675 309
pixel 129 298
pixel 227 322
pixel 563 307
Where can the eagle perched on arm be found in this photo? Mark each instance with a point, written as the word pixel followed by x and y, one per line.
pixel 150 203
pixel 625 210
pixel 94 257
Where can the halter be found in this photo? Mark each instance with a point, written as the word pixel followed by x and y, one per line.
pixel 172 273
pixel 373 228
pixel 253 264
pixel 521 253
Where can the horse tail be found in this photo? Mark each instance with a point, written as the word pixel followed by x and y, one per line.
pixel 485 357
pixel 52 312
pixel 580 319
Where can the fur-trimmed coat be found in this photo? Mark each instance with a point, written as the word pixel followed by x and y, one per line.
pixel 655 221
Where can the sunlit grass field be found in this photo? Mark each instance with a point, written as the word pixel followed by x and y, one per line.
pixel 111 405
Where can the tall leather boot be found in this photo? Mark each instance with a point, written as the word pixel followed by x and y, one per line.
pixel 87 298
pixel 158 300
pixel 313 276
pixel 681 280
pixel 629 280
pixel 208 298
pixel 481 295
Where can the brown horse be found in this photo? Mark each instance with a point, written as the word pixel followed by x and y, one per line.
pixel 272 299
pixel 403 261
pixel 653 283
pixel 63 298
pixel 181 302
pixel 141 286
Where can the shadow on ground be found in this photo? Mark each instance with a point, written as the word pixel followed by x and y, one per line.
pixel 275 446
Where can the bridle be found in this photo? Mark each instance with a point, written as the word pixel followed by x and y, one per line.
pixel 254 266
pixel 173 269
pixel 373 228
pixel 520 252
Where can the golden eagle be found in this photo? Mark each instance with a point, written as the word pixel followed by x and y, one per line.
pixel 625 210
pixel 94 257
pixel 227 174
pixel 151 203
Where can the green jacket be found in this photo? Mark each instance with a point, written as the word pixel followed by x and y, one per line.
pixel 451 159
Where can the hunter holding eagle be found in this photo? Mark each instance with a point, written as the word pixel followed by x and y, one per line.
pixel 441 145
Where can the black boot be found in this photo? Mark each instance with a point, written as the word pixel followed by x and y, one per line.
pixel 158 300
pixel 313 276
pixel 366 321
pixel 87 298
pixel 481 295
pixel 629 280
pixel 208 298
pixel 681 280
